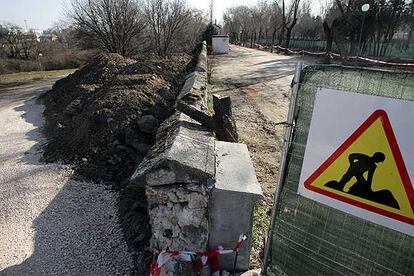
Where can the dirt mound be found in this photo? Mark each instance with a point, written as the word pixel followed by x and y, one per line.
pixel 93 116
pixel 102 120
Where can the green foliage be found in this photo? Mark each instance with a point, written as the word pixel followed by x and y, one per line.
pixel 261 221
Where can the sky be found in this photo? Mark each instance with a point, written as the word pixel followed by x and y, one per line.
pixel 41 14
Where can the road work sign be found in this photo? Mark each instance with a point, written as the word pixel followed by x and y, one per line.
pixel 359 157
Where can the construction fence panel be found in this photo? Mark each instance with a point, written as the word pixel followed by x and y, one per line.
pixel 310 238
pixel 393 49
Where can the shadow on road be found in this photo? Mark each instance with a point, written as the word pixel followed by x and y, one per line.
pixel 75 227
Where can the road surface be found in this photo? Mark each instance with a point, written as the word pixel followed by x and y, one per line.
pixel 259 84
pixel 49 223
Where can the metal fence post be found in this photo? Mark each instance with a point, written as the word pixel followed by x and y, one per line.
pixel 282 169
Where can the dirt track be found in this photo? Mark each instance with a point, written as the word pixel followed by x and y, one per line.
pixel 49 223
pixel 259 86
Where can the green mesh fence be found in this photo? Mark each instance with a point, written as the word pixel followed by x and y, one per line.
pixel 313 239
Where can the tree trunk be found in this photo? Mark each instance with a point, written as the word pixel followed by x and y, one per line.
pixel 288 35
pixel 254 41
pixel 328 36
pixel 281 35
pixel 273 40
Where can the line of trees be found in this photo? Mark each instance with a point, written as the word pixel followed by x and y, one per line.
pixel 128 27
pixel 339 22
pixel 17 42
pixel 30 50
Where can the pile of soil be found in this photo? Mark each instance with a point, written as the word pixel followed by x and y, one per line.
pixel 93 116
pixel 102 119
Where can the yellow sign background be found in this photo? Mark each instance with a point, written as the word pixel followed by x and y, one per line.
pixel 386 175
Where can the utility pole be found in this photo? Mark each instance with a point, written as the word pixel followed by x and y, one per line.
pixel 211 11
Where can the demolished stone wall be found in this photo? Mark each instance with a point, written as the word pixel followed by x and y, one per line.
pixel 177 171
pixel 176 175
pixel 178 216
pixel 201 192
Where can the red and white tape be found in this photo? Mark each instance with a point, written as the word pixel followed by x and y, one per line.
pixel 164 260
pixel 332 55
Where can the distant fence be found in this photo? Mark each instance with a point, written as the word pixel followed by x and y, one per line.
pixel 395 49
pixel 309 238
pixel 334 56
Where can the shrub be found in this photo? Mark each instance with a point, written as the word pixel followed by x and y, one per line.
pixel 55 60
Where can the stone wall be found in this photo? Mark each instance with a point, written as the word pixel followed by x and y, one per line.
pixel 178 216
pixel 176 173
pixel 196 185
pixel 178 170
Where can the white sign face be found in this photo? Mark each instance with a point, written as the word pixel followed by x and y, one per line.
pixel 359 157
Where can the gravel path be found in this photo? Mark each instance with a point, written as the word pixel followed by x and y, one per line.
pixel 50 224
pixel 258 83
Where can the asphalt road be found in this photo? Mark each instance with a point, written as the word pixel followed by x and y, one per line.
pixel 49 223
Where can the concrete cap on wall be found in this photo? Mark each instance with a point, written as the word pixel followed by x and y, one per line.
pixel 194 87
pixel 234 169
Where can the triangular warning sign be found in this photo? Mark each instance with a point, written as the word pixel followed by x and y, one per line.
pixel 368 171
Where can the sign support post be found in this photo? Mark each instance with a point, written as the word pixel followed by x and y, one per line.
pixel 289 127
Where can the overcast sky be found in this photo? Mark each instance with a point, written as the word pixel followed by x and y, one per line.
pixel 41 14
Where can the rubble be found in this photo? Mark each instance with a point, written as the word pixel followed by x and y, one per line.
pixel 102 120
pixel 178 216
pixel 148 124
pixel 108 112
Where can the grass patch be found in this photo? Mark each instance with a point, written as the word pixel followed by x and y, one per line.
pixel 15 79
pixel 261 221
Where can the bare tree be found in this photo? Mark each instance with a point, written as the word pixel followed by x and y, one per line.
pixel 111 25
pixel 289 19
pixel 339 22
pixel 3 32
pixel 12 36
pixel 276 22
pixel 408 21
pixel 389 16
pixel 231 26
pixel 251 24
pixel 28 44
pixel 187 39
pixel 344 18
pixel 19 44
pixel 308 25
pixel 166 20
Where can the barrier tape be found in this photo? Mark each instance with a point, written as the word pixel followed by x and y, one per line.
pixel 165 257
pixel 332 55
pixel 386 62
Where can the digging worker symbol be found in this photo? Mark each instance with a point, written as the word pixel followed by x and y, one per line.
pixel 359 164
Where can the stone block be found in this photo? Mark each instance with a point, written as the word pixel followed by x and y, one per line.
pixel 194 90
pixel 202 60
pixel 232 202
pixel 183 153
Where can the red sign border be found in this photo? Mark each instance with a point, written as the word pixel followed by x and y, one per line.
pixel 397 157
